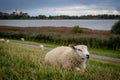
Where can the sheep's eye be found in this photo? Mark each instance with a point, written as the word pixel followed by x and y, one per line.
pixel 79 50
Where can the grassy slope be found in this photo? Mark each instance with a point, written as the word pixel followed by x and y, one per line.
pixel 102 52
pixel 105 52
pixel 25 63
pixel 64 32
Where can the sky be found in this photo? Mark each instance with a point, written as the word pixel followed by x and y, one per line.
pixel 62 7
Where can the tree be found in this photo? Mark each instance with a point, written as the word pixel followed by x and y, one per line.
pixel 116 28
pixel 42 17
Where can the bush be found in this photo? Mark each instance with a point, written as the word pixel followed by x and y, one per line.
pixel 116 28
pixel 76 29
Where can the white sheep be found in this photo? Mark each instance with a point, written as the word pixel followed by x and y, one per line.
pixel 70 58
pixel 2 40
pixel 42 47
pixel 22 39
pixel 7 41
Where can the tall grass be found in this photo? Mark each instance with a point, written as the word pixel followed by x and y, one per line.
pixel 110 43
pixel 25 63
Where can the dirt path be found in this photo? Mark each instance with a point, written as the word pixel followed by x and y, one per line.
pixel 92 55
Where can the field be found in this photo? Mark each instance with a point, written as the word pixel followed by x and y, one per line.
pixel 26 63
pixel 97 51
pixel 61 32
pixel 100 42
pixel 63 36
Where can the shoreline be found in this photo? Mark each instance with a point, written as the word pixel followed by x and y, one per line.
pixel 62 30
pixel 55 28
pixel 50 27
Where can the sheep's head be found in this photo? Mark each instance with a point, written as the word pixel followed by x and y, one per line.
pixel 81 51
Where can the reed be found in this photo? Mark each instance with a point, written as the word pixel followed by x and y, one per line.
pixel 111 43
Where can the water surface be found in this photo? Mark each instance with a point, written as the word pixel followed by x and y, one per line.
pixel 92 24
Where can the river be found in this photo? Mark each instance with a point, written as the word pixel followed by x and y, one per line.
pixel 92 24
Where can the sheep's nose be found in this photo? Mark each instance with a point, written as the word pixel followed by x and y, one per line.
pixel 87 56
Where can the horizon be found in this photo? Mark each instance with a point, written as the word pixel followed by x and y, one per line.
pixel 18 12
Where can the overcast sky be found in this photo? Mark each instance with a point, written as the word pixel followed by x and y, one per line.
pixel 62 7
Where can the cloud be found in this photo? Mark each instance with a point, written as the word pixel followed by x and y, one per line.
pixel 62 7
pixel 74 10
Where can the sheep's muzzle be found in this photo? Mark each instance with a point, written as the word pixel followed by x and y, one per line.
pixel 87 56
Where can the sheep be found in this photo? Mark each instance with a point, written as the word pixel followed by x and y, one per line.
pixel 71 45
pixel 2 40
pixel 42 47
pixel 22 39
pixel 7 41
pixel 70 58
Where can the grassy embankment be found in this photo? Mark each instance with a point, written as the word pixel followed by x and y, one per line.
pixel 63 35
pixel 26 63
pixel 99 42
pixel 102 52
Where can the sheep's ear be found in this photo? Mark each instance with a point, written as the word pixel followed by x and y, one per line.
pixel 73 47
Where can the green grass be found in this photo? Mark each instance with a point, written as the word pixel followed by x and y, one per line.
pixel 26 63
pixel 63 36
pixel 51 45
pixel 105 52
pixel 97 51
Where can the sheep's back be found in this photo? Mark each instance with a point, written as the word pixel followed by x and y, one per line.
pixel 58 54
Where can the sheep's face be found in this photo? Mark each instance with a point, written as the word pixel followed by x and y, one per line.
pixel 81 52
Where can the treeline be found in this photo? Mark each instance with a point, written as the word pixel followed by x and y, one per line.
pixel 111 43
pixel 11 16
pixel 85 17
